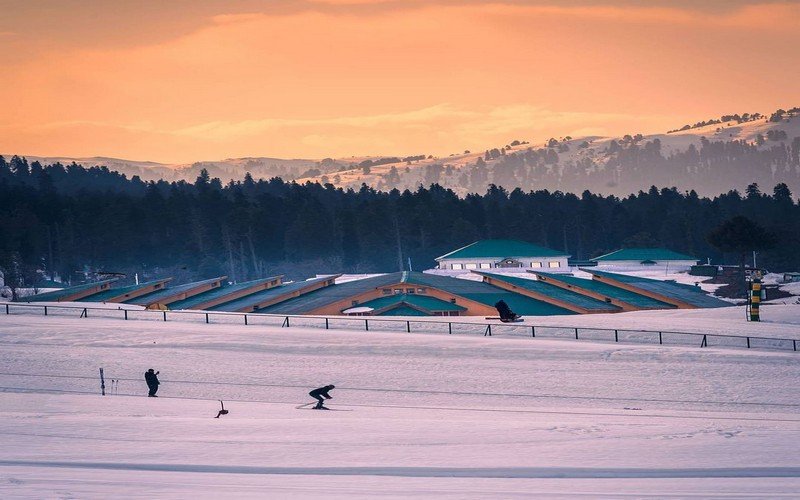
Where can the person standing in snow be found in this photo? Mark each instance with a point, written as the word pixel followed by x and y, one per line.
pixel 151 378
pixel 321 394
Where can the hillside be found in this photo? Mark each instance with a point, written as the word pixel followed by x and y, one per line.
pixel 709 157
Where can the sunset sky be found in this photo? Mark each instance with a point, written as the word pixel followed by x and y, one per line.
pixel 181 81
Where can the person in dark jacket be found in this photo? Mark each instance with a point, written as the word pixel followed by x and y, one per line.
pixel 506 314
pixel 321 394
pixel 151 378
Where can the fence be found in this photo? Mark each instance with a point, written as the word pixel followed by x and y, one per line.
pixel 618 335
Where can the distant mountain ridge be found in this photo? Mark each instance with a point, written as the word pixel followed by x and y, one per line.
pixel 709 157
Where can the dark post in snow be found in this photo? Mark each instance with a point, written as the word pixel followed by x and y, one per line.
pixel 102 383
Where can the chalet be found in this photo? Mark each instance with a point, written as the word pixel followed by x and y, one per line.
pixel 508 255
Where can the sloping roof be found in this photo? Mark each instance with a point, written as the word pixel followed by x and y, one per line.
pixel 485 294
pixel 499 249
pixel 686 293
pixel 265 295
pixel 468 289
pixel 57 295
pixel 330 294
pixel 644 254
pixel 555 292
pixel 610 291
pixel 412 300
pixel 112 293
pixel 217 293
pixel 159 295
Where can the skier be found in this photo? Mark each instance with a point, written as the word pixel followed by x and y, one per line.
pixel 151 378
pixel 321 393
pixel 506 314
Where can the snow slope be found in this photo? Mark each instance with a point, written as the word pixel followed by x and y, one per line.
pixel 430 415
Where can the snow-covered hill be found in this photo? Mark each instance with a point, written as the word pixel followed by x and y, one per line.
pixel 728 153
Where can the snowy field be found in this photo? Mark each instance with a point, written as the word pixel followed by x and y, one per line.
pixel 419 416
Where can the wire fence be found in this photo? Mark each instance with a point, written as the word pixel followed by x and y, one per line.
pixel 429 326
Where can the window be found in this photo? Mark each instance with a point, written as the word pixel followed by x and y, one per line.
pixel 536 264
pixel 410 290
pixel 486 265
pixel 456 266
pixel 471 266
pixel 398 291
pixel 554 263
pixel 386 291
pixel 422 290
pixel 355 303
pixel 452 301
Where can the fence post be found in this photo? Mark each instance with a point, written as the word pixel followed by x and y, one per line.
pixel 206 318
pixel 704 343
pixel 660 340
pixel 245 320
pixel 165 315
pixel 449 328
pixel 326 323
pixel 102 383
pixel 84 313
pixel 794 344
pixel 576 334
pixel 488 331
pixel 408 326
pixel 748 342
pixel 285 322
pixel 126 314
pixel 616 335
pixel 366 325
pixel 6 308
pixel 533 331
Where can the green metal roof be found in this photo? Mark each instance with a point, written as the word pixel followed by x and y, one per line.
pixel 469 289
pixel 57 295
pixel 216 293
pixel 610 291
pixel 330 294
pixel 425 302
pixel 264 295
pixel 403 311
pixel 555 292
pixel 644 254
pixel 687 293
pixel 485 294
pixel 116 292
pixel 169 291
pixel 499 249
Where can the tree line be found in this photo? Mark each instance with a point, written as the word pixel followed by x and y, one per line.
pixel 75 224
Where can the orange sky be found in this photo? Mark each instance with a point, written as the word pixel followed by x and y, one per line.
pixel 187 80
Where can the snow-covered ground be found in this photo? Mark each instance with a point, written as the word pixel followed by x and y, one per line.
pixel 422 415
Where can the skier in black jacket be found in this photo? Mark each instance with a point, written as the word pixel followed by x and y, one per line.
pixel 506 314
pixel 151 378
pixel 321 394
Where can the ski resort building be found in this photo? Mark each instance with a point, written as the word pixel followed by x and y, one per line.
pixel 636 257
pixel 509 255
pixel 535 293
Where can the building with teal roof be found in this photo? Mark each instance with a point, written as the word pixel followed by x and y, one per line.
pixel 626 300
pixel 72 293
pixel 509 255
pixel 680 295
pixel 645 257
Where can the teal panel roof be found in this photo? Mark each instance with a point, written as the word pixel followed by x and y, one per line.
pixel 169 291
pixel 485 294
pixel 57 295
pixel 555 292
pixel 500 249
pixel 610 291
pixel 687 293
pixel 217 293
pixel 264 295
pixel 116 292
pixel 412 299
pixel 330 294
pixel 403 311
pixel 644 254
